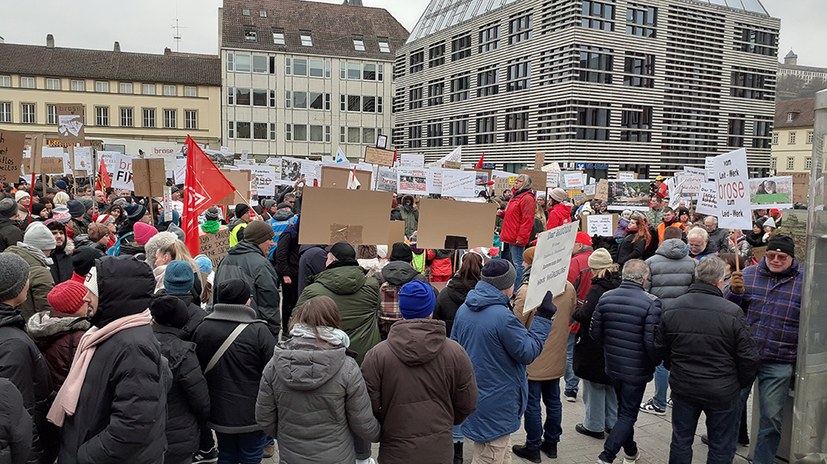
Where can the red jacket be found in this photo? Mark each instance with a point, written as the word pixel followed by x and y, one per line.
pixel 519 218
pixel 441 265
pixel 579 270
pixel 558 215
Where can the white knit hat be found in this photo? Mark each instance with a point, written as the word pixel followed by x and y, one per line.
pixel 21 194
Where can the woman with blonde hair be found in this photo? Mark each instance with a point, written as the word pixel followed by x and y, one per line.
pixel 312 388
pixel 168 252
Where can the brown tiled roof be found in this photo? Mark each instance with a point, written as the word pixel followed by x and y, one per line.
pixel 332 27
pixel 803 113
pixel 35 60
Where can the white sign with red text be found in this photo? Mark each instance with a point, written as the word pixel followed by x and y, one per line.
pixel 732 179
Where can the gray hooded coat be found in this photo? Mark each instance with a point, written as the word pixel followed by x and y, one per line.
pixel 312 399
pixel 671 270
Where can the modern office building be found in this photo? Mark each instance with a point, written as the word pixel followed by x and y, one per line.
pixel 792 136
pixel 146 98
pixel 304 78
pixel 643 85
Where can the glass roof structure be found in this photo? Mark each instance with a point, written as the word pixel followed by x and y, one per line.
pixel 753 6
pixel 442 14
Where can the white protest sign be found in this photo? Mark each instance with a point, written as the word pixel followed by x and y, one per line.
pixel 416 161
pixel 708 199
pixel 625 175
pixel 433 181
pixel 108 159
pixel 180 174
pixel 458 184
pixel 552 180
pixel 709 167
pixel 411 181
pixel 732 177
pixel 122 173
pixel 264 178
pixel 83 159
pixel 551 264
pixel 589 190
pixel 600 224
pixel 573 180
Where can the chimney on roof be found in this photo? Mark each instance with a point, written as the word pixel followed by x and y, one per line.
pixel 50 41
pixel 353 2
pixel 117 47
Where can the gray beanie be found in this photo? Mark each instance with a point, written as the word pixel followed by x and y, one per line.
pixel 499 273
pixel 8 208
pixel 39 236
pixel 179 232
pixel 14 273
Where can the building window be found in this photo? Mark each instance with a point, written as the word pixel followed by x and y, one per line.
pixel 434 138
pixel 27 82
pixel 415 97
pixel 369 72
pixel 415 135
pixel 736 130
pixel 242 130
pixel 127 117
pixel 384 45
pixel 125 87
pixel 354 135
pixel 262 13
pixel 436 55
pixel 260 64
pixel 170 90
pixel 242 62
pixel 250 34
pixel 272 131
pixel 101 115
pixel 368 134
pixel 319 101
pixel 808 163
pixel 792 137
pixel 435 91
pixel 77 85
pixel 773 163
pixel 757 41
pixel 636 122
pixel 487 81
pixel 516 125
pixel 594 123
pixel 790 163
pixel 598 15
pixel 641 20
pixel 596 65
pixel 417 61
pixel 260 130
pixel 5 112
pixel 5 81
pixel 461 47
pixel 749 85
pixel 762 131
pixel 27 111
pixel 51 83
pixel 486 128
pixel 358 45
pixel 170 119
pixel 790 117
pixel 354 103
pixel 51 114
pixel 190 91
pixel 149 117
pixel 809 137
pixel 230 129
pixel 148 89
pixel 518 76
pixel 245 12
pixel 243 97
pixel 489 37
pixel 460 84
pixel 458 131
pixel 260 97
pixel 775 138
pixel 102 86
pixel 636 66
pixel 519 28
pixel 306 38
pixel 369 104
pixel 278 37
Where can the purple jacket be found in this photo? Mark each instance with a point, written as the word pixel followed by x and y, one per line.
pixel 773 306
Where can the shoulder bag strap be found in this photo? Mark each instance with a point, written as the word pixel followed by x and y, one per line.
pixel 225 346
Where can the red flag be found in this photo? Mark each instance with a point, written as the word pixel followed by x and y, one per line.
pixel 479 163
pixel 395 155
pixel 205 186
pixel 103 177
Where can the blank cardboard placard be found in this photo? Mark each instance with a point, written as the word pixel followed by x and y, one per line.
pixel 333 177
pixel 149 177
pixel 50 165
pixel 11 155
pixel 538 178
pixel 439 220
pixel 396 233
pixel 332 214
pixel 602 190
pixel 215 246
pixel 539 160
pixel 241 182
pixel 379 157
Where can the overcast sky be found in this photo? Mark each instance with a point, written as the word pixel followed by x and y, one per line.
pixel 146 26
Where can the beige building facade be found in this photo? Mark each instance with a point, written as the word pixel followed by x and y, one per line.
pixel 792 137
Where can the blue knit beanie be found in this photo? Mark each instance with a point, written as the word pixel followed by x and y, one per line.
pixel 416 300
pixel 178 278
pixel 204 263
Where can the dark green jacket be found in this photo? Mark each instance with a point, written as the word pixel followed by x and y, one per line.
pixel 357 297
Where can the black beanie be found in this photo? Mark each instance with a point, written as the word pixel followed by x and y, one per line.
pixel 169 311
pixel 84 258
pixel 343 251
pixel 234 291
pixel 401 252
pixel 241 209
pixel 782 243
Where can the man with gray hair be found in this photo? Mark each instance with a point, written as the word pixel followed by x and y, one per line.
pixel 699 246
pixel 718 238
pixel 711 355
pixel 624 323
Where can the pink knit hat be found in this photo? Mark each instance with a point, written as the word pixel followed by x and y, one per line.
pixel 143 232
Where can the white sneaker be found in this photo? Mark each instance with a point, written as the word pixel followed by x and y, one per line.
pixel 631 459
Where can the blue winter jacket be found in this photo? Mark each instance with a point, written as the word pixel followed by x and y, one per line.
pixel 624 322
pixel 500 348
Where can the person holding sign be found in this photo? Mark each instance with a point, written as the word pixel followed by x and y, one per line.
pixel 518 221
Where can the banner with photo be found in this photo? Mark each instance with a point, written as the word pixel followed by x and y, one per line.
pixel 387 180
pixel 629 194
pixel 412 181
pixel 771 192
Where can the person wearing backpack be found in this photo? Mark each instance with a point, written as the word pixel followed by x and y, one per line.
pixel 394 275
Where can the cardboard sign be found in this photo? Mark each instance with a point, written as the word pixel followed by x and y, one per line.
pixel 501 184
pixel 149 177
pixel 416 161
pixel 11 155
pixel 359 217
pixel 732 178
pixel 601 192
pixel 603 225
pixel 70 125
pixel 771 192
pixel 333 177
pixel 396 233
pixel 539 160
pixel 538 178
pixel 445 224
pixel 215 246
pixel 412 181
pixel 801 185
pixel 52 165
pixel 459 184
pixel 708 199
pixel 379 156
pixel 552 259
pixel 241 181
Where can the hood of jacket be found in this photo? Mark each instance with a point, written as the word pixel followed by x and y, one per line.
pixel 673 248
pixel 417 341
pixel 609 281
pixel 398 273
pixel 563 209
pixel 306 364
pixel 283 215
pixel 484 295
pixel 30 254
pixel 303 248
pixel 244 248
pixel 342 280
pixel 462 286
pixel 11 317
pixel 42 326
pixel 125 287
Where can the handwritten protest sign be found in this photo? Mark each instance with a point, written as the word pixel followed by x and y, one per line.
pixel 82 158
pixel 551 263
pixel 603 225
pixel 573 180
pixel 602 190
pixel 412 181
pixel 732 177
pixel 265 180
pixel 458 184
pixel 412 161
pixel 708 199
pixel 379 156
pixel 11 155
pixel 387 180
pixel 215 246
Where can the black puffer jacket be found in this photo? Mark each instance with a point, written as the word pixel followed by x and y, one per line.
pixel 121 411
pixel 589 361
pixel 286 257
pixel 450 299
pixel 234 381
pixel 61 266
pixel 312 260
pixel 15 425
pixel 707 346
pixel 10 234
pixel 194 311
pixel 188 401
pixel 399 273
pixel 624 322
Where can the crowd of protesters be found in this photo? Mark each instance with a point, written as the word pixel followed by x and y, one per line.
pixel 118 345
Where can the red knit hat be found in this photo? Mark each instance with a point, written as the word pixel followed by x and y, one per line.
pixel 583 237
pixel 143 232
pixel 67 297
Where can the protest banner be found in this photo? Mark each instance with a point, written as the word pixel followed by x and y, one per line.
pixel 708 199
pixel 148 177
pixel 552 180
pixel 630 194
pixel 379 156
pixel 337 177
pixel 11 155
pixel 411 181
pixel 538 178
pixel 70 125
pixel 81 159
pixel 572 180
pixel 241 182
pixel 265 180
pixel 590 190
pixel 732 178
pixel 108 159
pixel 771 192
pixel 458 184
pixel 709 167
pixel 801 185
pixel 603 225
pixel 387 180
pixel 481 182
pixel 455 225
pixel 291 170
pixel 501 184
pixel 325 221
pixel 552 259
pixel 433 180
pixel 692 180
pixel 122 173
pixel 416 161
pixel 602 190
pixel 215 246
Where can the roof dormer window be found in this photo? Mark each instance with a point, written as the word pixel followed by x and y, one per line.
pixel 307 39
pixel 790 117
pixel 358 44
pixel 245 12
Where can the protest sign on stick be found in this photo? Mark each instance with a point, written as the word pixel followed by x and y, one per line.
pixel 707 199
pixel 603 225
pixel 215 246
pixel 11 155
pixel 552 259
pixel 732 179
pixel 379 156
pixel 70 126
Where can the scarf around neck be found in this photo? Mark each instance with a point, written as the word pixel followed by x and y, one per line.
pixel 332 335
pixel 211 227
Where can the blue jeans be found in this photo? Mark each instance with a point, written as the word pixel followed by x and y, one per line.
pixel 721 428
pixel 629 398
pixel 600 402
pixel 773 389
pixel 661 386
pixel 535 430
pixel 517 260
pixel 572 381
pixel 241 448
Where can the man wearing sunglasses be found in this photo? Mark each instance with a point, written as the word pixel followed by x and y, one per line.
pixel 770 294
